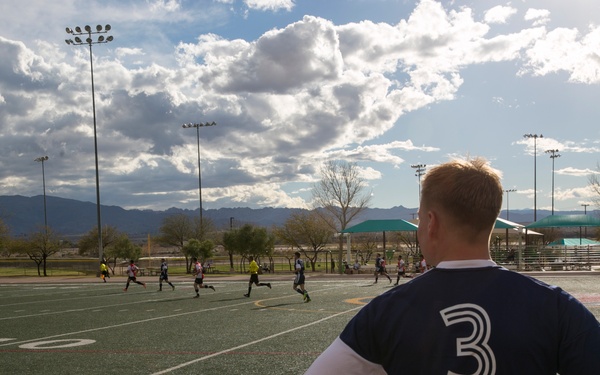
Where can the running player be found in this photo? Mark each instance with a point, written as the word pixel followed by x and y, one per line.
pixel 380 268
pixel 253 268
pixel 164 275
pixel 299 279
pixel 467 315
pixel 199 278
pixel 104 271
pixel 132 271
pixel 401 269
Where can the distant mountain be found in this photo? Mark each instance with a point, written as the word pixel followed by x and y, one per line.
pixel 73 218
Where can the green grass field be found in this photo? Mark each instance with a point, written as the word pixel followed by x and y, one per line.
pixel 95 328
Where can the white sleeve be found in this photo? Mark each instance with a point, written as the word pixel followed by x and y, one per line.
pixel 340 358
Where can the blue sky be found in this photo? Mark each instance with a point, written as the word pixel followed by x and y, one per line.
pixel 291 84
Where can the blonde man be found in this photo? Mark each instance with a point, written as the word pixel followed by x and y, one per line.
pixel 466 315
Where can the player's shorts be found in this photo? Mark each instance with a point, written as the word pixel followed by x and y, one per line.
pixel 254 278
pixel 105 273
pixel 199 280
pixel 378 269
pixel 131 278
pixel 163 277
pixel 299 280
pixel 401 273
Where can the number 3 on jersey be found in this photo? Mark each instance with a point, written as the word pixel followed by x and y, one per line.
pixel 476 344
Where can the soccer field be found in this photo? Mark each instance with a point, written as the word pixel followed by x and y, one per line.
pixel 96 328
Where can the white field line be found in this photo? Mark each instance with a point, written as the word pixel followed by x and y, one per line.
pixel 253 342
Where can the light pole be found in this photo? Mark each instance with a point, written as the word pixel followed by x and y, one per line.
pixel 535 137
pixel 585 206
pixel 419 171
pixel 507 192
pixel 77 41
pixel 42 159
pixel 553 155
pixel 198 126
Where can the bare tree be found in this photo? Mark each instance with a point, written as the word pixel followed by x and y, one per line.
pixel 175 231
pixel 340 195
pixel 594 181
pixel 308 232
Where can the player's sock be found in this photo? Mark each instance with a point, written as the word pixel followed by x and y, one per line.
pixel 172 286
pixel 249 290
pixel 269 285
pixel 212 287
pixel 299 291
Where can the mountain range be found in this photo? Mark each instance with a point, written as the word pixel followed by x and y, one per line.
pixel 72 218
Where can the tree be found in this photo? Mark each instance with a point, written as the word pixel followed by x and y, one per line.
pixel 176 230
pixel 199 249
pixel 340 197
pixel 39 246
pixel 249 240
pixel 308 232
pixel 594 181
pixel 122 248
pixel 4 238
pixel 88 244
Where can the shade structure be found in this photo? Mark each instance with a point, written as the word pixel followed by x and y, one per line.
pixel 574 242
pixel 392 225
pixel 564 221
pixel 505 224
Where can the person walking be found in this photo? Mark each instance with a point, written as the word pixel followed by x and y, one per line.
pixel 466 315
pixel 104 271
pixel 132 271
pixel 299 279
pixel 199 278
pixel 253 269
pixel 164 275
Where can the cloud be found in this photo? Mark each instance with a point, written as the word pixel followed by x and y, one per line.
pixel 499 14
pixel 270 5
pixel 284 102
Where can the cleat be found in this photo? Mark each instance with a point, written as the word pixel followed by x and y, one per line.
pixel 307 300
pixel 390 281
pixel 212 287
pixel 125 289
pixel 160 290
pixel 305 296
pixel 269 285
pixel 197 296
pixel 246 295
pixel 144 285
pixel 173 286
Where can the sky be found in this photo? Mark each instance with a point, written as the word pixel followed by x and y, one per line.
pixel 292 84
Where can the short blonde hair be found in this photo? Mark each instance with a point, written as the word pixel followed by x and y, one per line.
pixel 469 191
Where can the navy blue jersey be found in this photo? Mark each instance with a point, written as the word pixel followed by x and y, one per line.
pixel 164 269
pixel 478 320
pixel 299 266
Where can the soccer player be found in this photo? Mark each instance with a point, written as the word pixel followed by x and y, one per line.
pixel 299 279
pixel 422 264
pixel 199 278
pixel 401 269
pixel 380 268
pixel 467 315
pixel 132 271
pixel 164 275
pixel 253 268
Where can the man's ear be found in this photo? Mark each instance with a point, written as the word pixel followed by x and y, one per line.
pixel 433 225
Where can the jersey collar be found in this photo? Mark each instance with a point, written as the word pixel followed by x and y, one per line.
pixel 470 263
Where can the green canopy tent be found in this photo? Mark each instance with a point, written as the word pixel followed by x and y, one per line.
pixel 368 226
pixel 574 242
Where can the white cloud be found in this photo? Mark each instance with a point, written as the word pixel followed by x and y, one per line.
pixel 538 16
pixel 271 5
pixel 499 14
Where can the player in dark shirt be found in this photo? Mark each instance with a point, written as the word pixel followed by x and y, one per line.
pixel 164 275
